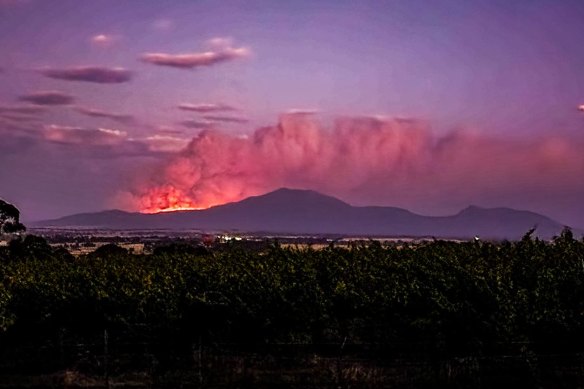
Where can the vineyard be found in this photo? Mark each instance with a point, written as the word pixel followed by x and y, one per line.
pixel 194 309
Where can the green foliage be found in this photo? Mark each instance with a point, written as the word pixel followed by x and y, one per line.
pixel 455 296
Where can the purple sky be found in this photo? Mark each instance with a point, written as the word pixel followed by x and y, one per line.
pixel 90 94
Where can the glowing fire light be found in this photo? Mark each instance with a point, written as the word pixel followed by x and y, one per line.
pixel 167 199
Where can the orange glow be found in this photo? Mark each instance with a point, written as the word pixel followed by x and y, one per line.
pixel 167 199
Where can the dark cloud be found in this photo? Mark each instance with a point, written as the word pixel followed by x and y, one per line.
pixel 221 51
pixel 169 131
pixel 48 98
pixel 118 117
pixel 97 74
pixel 210 121
pixel 225 119
pixel 206 107
pixel 198 124
pixel 22 109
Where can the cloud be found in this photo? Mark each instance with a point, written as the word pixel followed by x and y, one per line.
pixel 192 60
pixel 302 111
pixel 206 107
pixel 163 24
pixel 19 117
pixel 103 40
pixel 118 117
pixel 225 119
pixel 166 143
pixel 198 124
pixel 367 160
pixel 220 42
pixel 97 74
pixel 18 127
pixel 47 98
pixel 167 130
pixel 78 135
pixel 109 143
pixel 22 109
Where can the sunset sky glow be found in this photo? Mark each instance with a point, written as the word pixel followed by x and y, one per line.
pixel 427 105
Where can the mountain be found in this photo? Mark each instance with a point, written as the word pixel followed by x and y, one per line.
pixel 290 211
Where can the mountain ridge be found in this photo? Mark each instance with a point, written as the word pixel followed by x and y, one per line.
pixel 297 211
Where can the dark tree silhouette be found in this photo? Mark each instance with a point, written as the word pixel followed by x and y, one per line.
pixel 30 247
pixel 10 219
pixel 110 250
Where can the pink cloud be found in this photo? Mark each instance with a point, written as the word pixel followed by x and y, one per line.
pixel 205 107
pixel 222 53
pixel 302 111
pixel 103 40
pixel 166 143
pixel 106 143
pixel 372 160
pixel 77 135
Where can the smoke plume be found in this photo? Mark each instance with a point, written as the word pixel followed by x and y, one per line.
pixel 364 160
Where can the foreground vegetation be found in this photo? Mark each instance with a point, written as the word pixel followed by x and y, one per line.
pixel 453 298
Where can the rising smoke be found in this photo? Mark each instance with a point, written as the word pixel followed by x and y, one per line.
pixel 365 160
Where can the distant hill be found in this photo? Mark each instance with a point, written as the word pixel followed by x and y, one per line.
pixel 290 211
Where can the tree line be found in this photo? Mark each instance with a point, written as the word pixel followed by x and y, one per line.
pixel 463 297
